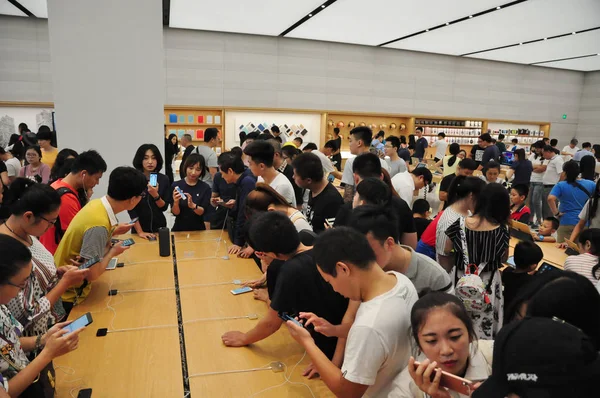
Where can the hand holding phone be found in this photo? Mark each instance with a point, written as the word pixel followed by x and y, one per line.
pixel 153 180
pixel 133 221
pixel 79 323
pixel 429 377
pixel 90 262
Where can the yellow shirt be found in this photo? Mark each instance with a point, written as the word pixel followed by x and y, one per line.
pixel 49 157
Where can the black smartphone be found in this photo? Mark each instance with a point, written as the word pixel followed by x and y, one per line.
pixel 128 242
pixel 79 323
pixel 90 262
pixel 85 393
pixel 154 179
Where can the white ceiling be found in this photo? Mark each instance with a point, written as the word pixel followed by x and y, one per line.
pixel 377 22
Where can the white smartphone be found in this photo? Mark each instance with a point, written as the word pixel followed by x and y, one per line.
pixel 79 323
pixel 112 263
pixel 241 290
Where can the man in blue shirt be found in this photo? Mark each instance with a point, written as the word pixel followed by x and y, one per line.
pixel 420 144
pixel 586 150
pixel 491 151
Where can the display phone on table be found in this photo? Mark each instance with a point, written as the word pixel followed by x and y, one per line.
pixel 128 242
pixel 452 382
pixel 78 323
pixel 241 290
pixel 286 317
pixel 90 262
pixel 154 179
pixel 112 264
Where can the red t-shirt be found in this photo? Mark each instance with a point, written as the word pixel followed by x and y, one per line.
pixel 428 236
pixel 69 207
pixel 517 215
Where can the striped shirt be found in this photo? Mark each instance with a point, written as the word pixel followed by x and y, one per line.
pixel 483 246
pixel 448 218
pixel 583 264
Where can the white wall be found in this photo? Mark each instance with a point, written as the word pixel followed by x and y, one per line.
pixel 589 111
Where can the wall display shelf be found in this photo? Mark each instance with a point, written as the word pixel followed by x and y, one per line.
pixel 193 121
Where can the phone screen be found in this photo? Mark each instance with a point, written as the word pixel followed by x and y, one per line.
pixel 128 242
pixel 511 261
pixel 134 220
pixel 112 264
pixel 78 323
pixel 89 263
pixel 154 179
pixel 241 290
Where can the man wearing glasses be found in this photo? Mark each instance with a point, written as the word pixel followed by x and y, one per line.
pixel 396 163
pixel 90 232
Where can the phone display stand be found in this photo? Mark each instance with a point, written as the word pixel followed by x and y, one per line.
pixel 276 367
pixel 101 332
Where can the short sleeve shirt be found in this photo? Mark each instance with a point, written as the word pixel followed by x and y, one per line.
pixel 10 332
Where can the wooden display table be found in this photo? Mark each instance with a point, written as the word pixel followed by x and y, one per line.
pixel 552 254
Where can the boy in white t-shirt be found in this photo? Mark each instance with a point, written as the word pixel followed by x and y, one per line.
pixel 260 154
pixel 378 341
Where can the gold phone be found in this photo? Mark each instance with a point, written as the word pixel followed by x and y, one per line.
pixel 452 382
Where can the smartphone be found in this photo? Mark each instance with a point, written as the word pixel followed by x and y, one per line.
pixel 78 323
pixel 241 290
pixel 285 317
pixel 154 179
pixel 454 383
pixel 134 221
pixel 115 241
pixel 90 262
pixel 128 242
pixel 180 192
pixel 511 261
pixel 112 264
pixel 85 393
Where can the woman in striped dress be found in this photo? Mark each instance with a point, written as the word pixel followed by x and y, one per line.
pixel 487 237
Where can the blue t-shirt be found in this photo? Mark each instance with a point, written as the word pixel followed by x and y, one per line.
pixel 572 199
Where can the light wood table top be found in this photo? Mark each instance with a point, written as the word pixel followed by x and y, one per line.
pixel 552 254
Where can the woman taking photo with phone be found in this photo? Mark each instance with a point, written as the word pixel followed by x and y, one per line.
pixel 20 377
pixel 191 197
pixel 34 209
pixel 150 210
pixel 444 334
pixel 35 170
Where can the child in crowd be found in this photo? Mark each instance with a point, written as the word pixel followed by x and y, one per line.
pixel 421 213
pixel 518 209
pixel 547 231
pixel 515 143
pixel 527 255
pixel 586 264
pixel 491 172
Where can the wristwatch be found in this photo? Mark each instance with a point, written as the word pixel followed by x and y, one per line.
pixel 156 199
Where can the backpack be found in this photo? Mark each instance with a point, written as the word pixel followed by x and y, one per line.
pixel 58 231
pixel 470 288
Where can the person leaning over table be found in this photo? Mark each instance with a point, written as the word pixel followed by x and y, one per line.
pixel 20 377
pixel 89 234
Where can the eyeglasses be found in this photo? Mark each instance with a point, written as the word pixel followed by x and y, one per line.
pixel 49 221
pixel 17 286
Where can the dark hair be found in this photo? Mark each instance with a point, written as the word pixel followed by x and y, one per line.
pixel 493 204
pixel 439 300
pixel 308 165
pixel 267 131
pixel 522 189
pixel 253 135
pixel 571 298
pixel 14 257
pixel 63 171
pixel 290 151
pixel 491 165
pixel 342 244
pixel 526 254
pixel 332 144
pixel 273 232
pixel 454 149
pixel 501 136
pixel 92 162
pixel 125 183
pixel 485 137
pixel 554 221
pixel 593 236
pixel 194 159
pixel 44 134
pixel 311 146
pixel 261 198
pixel 138 159
pixel 243 136
pixel 23 126
pixel 380 221
pixel 462 186
pixel 467 164
pixel 176 144
pixel 423 172
pixel 387 179
pixel 420 206
pixel 61 157
pixel 275 129
pixel 298 139
pixel 236 150
pixel 546 139
pixel 419 129
pixel 229 160
pixel 395 141
pixel 593 204
pixel 553 142
pixel 210 133
pixel 265 135
pixel 548 148
pixel 260 152
pixel 586 145
pixel 515 141
pixel 25 195
pixel 443 135
pixel 403 139
pixel 520 154
pixel 587 166
pixel 336 131
pixel 571 169
pixel 35 148
pixel 362 133
pixel 367 165
pixel 381 134
pixel 374 191
pixel 596 148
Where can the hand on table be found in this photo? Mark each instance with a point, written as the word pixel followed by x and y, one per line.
pixel 246 252
pixel 234 249
pixel 256 283
pixel 310 372
pixel 234 339
pixel 147 236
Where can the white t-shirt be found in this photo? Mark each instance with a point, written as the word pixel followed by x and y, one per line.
pixel 404 184
pixel 537 177
pixel 553 171
pixel 328 167
pixel 348 175
pixel 570 150
pixel 210 158
pixel 378 345
pixel 440 148
pixel 283 186
pixel 13 166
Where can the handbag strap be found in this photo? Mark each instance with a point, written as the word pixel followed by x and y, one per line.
pixel 578 185
pixel 463 237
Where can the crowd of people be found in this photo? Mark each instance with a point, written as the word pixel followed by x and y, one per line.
pixel 386 300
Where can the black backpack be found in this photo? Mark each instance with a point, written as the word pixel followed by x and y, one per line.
pixel 58 231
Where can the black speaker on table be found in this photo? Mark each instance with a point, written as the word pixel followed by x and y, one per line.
pixel 164 242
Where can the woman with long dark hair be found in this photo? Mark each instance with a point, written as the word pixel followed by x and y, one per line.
pixel 171 152
pixel 449 162
pixel 59 170
pixel 587 167
pixel 35 170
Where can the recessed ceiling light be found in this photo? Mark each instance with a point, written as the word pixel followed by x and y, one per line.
pixel 310 15
pixel 447 23
pixel 545 38
pixel 426 30
pixel 470 16
pixel 497 8
pixel 520 44
pixel 323 6
pixel 574 33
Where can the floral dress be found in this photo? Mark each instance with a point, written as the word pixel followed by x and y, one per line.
pixel 12 358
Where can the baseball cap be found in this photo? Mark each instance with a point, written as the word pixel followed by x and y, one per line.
pixel 541 358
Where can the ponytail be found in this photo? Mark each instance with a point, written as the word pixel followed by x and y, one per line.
pixel 454 151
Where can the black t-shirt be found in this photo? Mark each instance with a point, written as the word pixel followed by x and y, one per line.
pixel 404 153
pixel 3 167
pixel 188 220
pixel 421 224
pixel 324 206
pixel 445 185
pixel 339 142
pixel 298 287
pixel 523 170
pixel 337 161
pixel 420 146
pixel 513 283
pixel 151 216
pixel 477 154
pixel 490 153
